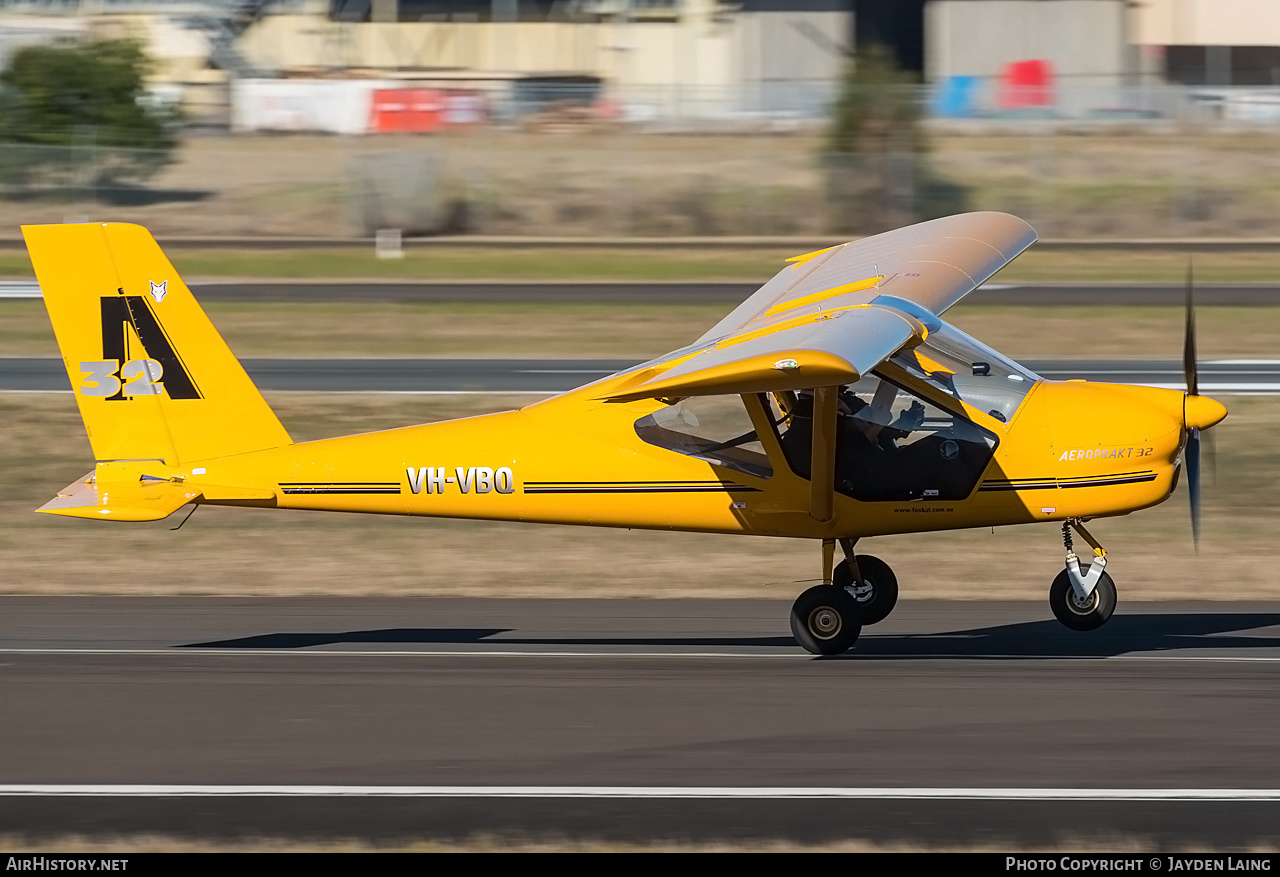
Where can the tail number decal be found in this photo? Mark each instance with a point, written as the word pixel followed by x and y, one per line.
pixel 468 479
pixel 141 377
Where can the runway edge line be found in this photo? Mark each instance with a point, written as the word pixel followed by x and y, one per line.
pixel 720 792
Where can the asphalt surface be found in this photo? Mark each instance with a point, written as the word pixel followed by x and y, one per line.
pixel 548 376
pixel 676 720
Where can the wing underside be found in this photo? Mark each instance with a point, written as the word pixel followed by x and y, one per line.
pixel 818 351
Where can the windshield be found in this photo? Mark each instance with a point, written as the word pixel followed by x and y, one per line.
pixel 964 367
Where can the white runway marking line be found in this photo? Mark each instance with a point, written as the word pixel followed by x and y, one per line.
pixel 402 653
pixel 563 371
pixel 1245 389
pixel 796 655
pixel 634 792
pixel 1241 389
pixel 1241 362
pixel 544 393
pixel 20 289
pixel 429 392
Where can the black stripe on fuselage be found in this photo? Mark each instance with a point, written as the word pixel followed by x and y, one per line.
pixel 341 487
pixel 636 487
pixel 1068 483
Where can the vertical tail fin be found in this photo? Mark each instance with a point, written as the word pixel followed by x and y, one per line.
pixel 153 378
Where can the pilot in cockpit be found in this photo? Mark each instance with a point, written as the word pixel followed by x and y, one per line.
pixel 867 433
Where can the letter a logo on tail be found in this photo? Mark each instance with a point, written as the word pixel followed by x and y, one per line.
pixel 119 311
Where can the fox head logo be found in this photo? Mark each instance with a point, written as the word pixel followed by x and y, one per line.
pixel 159 290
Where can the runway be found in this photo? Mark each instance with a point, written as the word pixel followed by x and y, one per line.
pixel 640 720
pixel 550 376
pixel 951 724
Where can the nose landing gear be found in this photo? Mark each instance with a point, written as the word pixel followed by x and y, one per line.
pixel 1082 599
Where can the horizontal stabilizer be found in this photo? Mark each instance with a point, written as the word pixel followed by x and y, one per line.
pixel 126 500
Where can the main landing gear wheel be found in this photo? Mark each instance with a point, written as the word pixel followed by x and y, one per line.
pixel 826 620
pixel 1078 614
pixel 876 594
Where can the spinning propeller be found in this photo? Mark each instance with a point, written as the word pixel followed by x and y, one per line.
pixel 1198 412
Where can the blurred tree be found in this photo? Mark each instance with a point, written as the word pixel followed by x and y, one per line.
pixel 85 95
pixel 877 108
pixel 875 151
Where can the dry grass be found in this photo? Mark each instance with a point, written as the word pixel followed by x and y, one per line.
pixel 1141 266
pixel 642 331
pixel 718 263
pixel 458 329
pixel 447 329
pixel 271 553
pixel 618 181
pixel 1072 332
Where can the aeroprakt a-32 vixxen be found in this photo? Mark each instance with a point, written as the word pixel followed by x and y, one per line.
pixel 833 404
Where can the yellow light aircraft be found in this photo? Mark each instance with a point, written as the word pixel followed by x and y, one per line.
pixel 833 404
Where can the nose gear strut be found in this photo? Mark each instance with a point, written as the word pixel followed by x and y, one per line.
pixel 1083 583
pixel 1082 599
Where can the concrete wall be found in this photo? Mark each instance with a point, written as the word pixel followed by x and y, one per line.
pixel 705 60
pixel 787 58
pixel 1085 39
pixel 1206 23
pixel 701 56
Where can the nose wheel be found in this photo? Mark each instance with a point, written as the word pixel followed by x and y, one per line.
pixel 1082 598
pixel 1082 613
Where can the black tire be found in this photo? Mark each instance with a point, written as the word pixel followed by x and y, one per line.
pixel 825 620
pixel 877 603
pixel 1094 614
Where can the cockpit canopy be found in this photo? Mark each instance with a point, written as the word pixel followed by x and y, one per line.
pixel 893 443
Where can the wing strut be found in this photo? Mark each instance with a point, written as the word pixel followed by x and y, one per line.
pixel 822 462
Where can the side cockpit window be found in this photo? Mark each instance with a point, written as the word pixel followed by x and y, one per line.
pixel 891 444
pixel 716 429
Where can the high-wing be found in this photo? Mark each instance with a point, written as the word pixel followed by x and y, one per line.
pixel 832 315
pixel 836 347
pixel 934 264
